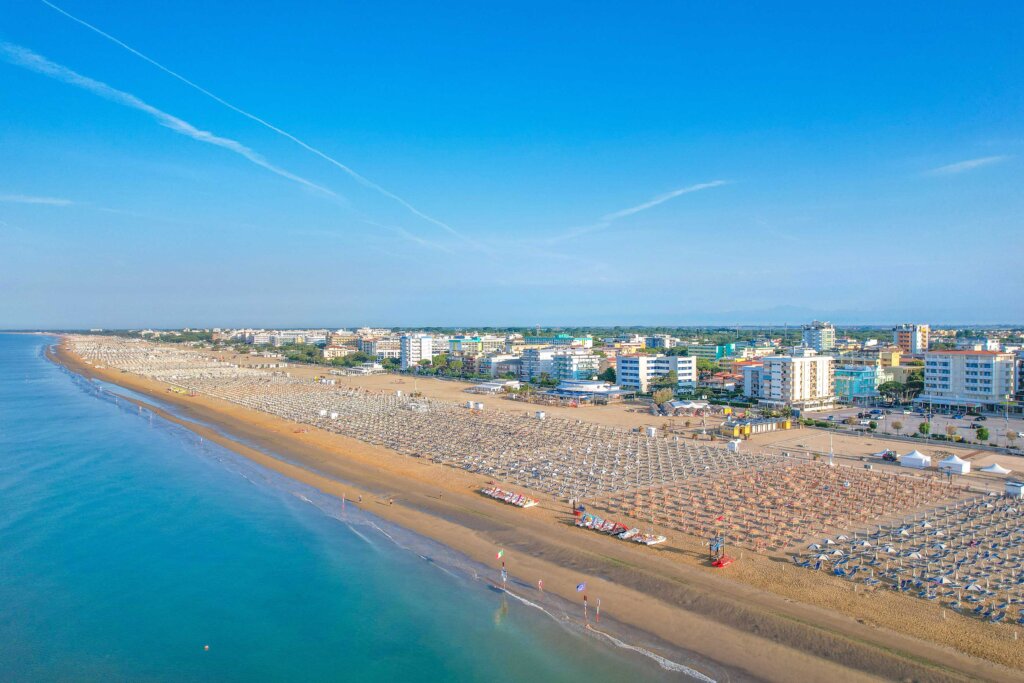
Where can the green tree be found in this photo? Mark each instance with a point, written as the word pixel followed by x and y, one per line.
pixel 897 426
pixel 705 365
pixel 666 381
pixel 872 425
pixel 663 396
pixel 982 434
pixel 891 389
pixel 924 428
pixel 545 380
pixel 608 375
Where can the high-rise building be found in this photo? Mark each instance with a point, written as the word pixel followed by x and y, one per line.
pixel 414 348
pixel 856 382
pixel 573 364
pixel 983 380
pixel 911 338
pixel 803 380
pixel 820 336
pixel 636 371
pixel 537 362
pixel 380 347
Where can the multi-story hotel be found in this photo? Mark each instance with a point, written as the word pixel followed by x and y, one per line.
pixel 414 348
pixel 803 380
pixel 819 336
pixel 575 364
pixel 911 338
pixel 982 380
pixel 381 347
pixel 636 372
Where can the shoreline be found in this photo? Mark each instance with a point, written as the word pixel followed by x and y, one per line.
pixel 764 634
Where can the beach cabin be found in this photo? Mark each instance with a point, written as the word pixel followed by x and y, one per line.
pixel 1015 489
pixel 734 446
pixel 916 459
pixel 954 465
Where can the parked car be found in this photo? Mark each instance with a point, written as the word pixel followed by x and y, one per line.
pixel 980 418
pixel 890 456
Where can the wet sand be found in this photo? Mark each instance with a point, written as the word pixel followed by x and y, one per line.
pixel 762 615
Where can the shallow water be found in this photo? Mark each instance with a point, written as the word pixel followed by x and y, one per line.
pixel 127 546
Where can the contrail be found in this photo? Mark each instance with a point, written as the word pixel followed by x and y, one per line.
pixel 27 199
pixel 610 218
pixel 25 58
pixel 969 165
pixel 661 199
pixel 366 182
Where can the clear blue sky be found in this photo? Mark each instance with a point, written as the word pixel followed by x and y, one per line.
pixel 524 163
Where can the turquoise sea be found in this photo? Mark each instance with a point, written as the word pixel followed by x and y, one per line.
pixel 128 545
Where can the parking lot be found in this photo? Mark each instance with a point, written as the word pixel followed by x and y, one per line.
pixel 906 421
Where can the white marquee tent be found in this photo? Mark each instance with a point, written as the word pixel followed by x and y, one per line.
pixel 916 459
pixel 995 468
pixel 955 465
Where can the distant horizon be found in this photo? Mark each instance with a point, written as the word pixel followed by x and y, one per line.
pixel 548 327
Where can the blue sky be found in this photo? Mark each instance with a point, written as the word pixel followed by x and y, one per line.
pixel 545 163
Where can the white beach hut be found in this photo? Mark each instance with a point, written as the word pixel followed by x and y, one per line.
pixel 916 459
pixel 994 468
pixel 954 465
pixel 1015 489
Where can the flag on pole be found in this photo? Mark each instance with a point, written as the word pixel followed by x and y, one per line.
pixel 580 587
pixel 501 553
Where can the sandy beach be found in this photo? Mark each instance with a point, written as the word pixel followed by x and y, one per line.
pixel 762 615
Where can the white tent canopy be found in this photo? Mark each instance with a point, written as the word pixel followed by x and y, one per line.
pixel 916 459
pixel 955 465
pixel 995 468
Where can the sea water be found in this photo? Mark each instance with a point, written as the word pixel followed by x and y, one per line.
pixel 132 550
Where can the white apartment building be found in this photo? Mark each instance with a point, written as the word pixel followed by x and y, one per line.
pixel 660 341
pixel 982 380
pixel 536 362
pixel 637 371
pixel 978 344
pixel 752 378
pixel 381 348
pixel 912 338
pixel 414 348
pixel 803 381
pixel 819 336
pixel 572 364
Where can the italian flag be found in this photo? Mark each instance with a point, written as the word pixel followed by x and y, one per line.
pixel 501 553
